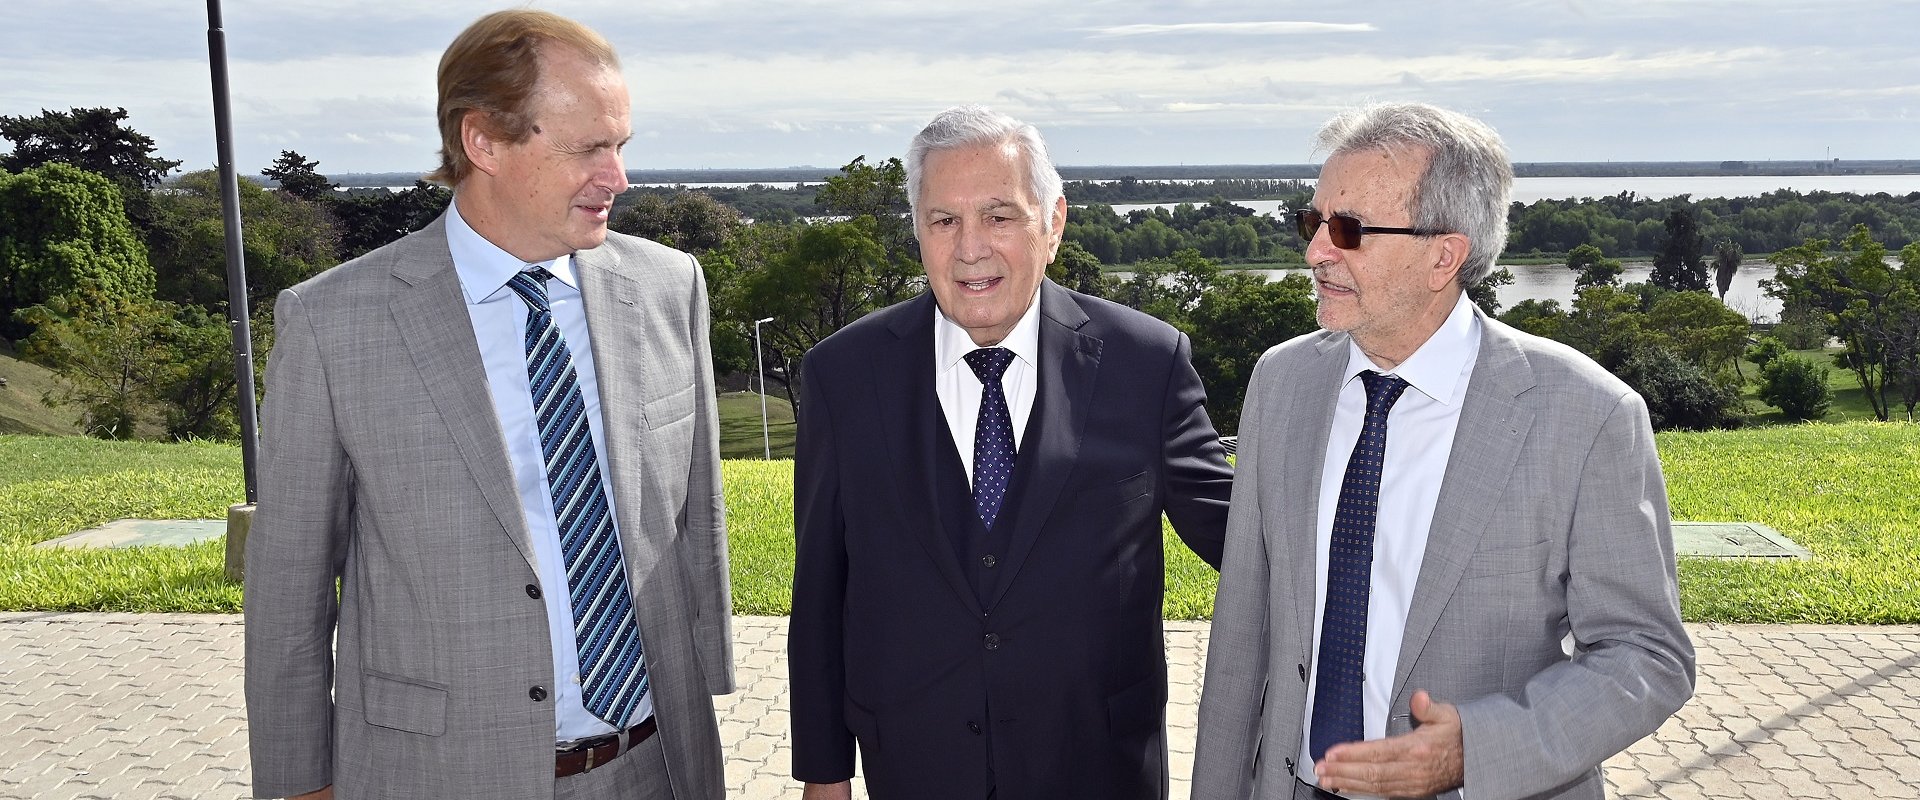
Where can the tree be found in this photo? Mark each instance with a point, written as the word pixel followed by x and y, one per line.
pixel 1726 264
pixel 64 232
pixel 691 221
pixel 1233 323
pixel 1486 293
pixel 879 192
pixel 285 240
pixel 1678 265
pixel 1797 386
pixel 1079 270
pixel 377 217
pixel 1539 317
pixel 1594 268
pixel 1873 308
pixel 93 139
pixel 296 176
pixel 811 279
pixel 1700 329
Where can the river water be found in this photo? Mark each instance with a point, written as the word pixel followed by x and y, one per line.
pixel 1555 282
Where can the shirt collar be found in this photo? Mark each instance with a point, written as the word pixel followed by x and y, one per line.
pixel 483 267
pixel 1437 368
pixel 951 342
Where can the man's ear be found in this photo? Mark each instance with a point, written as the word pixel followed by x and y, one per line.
pixel 1059 216
pixel 479 143
pixel 1451 253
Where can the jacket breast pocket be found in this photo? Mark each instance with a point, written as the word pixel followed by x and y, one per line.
pixel 1491 562
pixel 1116 493
pixel 670 408
pixel 402 704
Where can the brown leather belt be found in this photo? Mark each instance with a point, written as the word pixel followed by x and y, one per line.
pixel 596 752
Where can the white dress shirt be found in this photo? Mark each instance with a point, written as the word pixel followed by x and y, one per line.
pixel 1420 431
pixel 959 389
pixel 499 319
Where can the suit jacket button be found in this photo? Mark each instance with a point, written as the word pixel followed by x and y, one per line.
pixel 988 561
pixel 993 641
pixel 537 693
pixel 1290 767
pixel 1303 672
pixel 533 591
pixel 975 727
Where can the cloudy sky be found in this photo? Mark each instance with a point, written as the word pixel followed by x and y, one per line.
pixel 755 83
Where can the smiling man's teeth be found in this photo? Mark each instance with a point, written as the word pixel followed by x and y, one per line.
pixel 978 285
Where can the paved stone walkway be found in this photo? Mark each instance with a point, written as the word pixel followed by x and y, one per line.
pixel 149 706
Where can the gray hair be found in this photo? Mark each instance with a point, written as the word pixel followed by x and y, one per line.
pixel 967 126
pixel 1467 182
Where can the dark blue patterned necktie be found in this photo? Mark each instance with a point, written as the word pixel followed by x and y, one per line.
pixel 1338 713
pixel 613 672
pixel 993 434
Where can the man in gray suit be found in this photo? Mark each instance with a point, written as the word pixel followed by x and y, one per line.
pixel 1449 566
pixel 496 437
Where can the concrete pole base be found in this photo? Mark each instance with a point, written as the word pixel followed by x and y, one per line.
pixel 239 521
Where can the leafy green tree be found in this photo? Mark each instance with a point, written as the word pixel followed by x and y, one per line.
pixel 690 221
pixel 1605 323
pixel 1797 386
pixel 64 231
pixel 1700 328
pixel 1486 293
pixel 1079 270
pixel 1593 267
pixel 811 279
pixel 1539 317
pixel 1726 264
pixel 297 176
pixel 1678 266
pixel 1233 323
pixel 285 240
pixel 92 139
pixel 879 192
pixel 1764 351
pixel 1868 304
pixel 373 218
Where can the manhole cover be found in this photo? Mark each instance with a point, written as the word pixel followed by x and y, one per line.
pixel 1733 540
pixel 143 533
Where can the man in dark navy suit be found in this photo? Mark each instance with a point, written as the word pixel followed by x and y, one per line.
pixel 979 484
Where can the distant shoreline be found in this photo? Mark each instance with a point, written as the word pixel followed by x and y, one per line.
pixel 1534 169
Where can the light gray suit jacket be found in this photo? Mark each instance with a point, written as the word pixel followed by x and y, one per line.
pixel 1552 521
pixel 383 466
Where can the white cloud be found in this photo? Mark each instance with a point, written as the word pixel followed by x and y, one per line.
pixel 1237 28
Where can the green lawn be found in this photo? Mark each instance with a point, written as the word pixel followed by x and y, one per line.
pixel 1849 400
pixel 21 408
pixel 1846 492
pixel 740 434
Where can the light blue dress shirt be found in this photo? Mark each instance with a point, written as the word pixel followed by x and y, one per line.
pixel 499 319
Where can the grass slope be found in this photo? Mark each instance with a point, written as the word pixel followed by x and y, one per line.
pixel 21 408
pixel 1846 492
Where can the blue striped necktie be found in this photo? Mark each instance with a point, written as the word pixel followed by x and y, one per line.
pixel 1338 712
pixel 613 672
pixel 992 435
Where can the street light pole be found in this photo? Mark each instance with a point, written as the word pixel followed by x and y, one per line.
pixel 766 439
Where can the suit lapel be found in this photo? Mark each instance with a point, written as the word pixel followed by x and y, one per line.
pixel 1486 445
pixel 1315 393
pixel 1069 365
pixel 619 343
pixel 431 314
pixel 913 433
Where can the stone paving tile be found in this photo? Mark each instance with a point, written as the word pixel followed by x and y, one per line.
pixel 123 705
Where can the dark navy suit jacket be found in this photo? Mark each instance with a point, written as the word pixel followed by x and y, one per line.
pixel 1037 674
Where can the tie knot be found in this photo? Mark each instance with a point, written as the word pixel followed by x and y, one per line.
pixel 531 285
pixel 1382 391
pixel 989 363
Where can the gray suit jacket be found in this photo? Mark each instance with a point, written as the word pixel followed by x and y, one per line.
pixel 1552 521
pixel 383 466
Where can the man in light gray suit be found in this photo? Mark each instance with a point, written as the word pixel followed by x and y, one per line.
pixel 1449 568
pixel 497 438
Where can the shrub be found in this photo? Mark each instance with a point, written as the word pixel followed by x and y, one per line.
pixel 1797 385
pixel 1678 393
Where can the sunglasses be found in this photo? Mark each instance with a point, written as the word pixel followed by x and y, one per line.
pixel 1345 231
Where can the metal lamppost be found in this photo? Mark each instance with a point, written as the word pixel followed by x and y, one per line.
pixel 239 515
pixel 766 439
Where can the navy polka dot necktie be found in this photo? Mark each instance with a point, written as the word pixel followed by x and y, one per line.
pixel 613 672
pixel 1338 713
pixel 993 434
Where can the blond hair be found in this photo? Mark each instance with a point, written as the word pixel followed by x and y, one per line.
pixel 493 69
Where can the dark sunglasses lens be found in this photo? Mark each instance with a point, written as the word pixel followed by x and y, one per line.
pixel 1344 232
